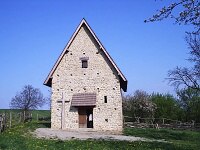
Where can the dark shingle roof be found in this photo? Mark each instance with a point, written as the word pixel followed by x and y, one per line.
pixel 84 99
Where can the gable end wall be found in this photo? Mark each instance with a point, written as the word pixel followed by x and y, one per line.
pixel 100 78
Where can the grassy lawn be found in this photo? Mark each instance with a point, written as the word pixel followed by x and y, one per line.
pixel 181 139
pixel 19 137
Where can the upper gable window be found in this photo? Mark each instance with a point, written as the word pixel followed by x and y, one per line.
pixel 84 63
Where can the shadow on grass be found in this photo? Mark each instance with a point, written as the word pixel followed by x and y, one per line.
pixel 45 124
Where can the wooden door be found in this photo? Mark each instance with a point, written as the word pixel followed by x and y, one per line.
pixel 82 118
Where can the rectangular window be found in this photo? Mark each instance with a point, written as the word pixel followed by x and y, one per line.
pixel 84 63
pixel 105 99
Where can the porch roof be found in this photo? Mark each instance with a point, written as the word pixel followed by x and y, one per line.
pixel 84 99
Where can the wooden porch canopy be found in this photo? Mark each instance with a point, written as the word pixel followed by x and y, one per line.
pixel 84 99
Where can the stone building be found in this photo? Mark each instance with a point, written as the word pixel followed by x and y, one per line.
pixel 86 85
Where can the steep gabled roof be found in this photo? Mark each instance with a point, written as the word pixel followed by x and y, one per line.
pixel 123 81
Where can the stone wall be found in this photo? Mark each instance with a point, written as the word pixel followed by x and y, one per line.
pixel 100 77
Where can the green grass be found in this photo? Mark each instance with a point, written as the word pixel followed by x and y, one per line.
pixel 19 137
pixel 184 139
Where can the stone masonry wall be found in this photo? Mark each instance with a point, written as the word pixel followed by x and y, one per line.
pixel 100 78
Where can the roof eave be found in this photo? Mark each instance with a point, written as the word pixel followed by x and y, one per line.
pixel 48 82
pixel 123 85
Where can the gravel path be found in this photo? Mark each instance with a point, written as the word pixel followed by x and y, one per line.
pixel 48 133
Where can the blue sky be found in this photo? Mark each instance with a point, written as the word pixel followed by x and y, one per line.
pixel 34 33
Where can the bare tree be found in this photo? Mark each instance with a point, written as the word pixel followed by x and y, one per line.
pixel 188 77
pixel 29 98
pixel 189 15
pixel 48 99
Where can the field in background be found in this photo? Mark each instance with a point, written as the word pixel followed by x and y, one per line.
pixel 35 113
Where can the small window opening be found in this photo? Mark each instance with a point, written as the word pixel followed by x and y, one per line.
pixel 106 120
pixel 84 63
pixel 105 99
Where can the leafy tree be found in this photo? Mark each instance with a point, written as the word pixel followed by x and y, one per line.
pixel 189 100
pixel 138 104
pixel 167 106
pixel 29 98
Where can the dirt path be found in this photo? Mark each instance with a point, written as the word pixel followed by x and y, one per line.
pixel 48 133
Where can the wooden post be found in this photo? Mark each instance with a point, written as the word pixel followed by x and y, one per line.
pixel 1 121
pixel 30 117
pixel 5 121
pixel 10 119
pixel 20 117
pixel 37 118
pixel 193 122
pixel 163 121
pixel 123 121
pixel 24 115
